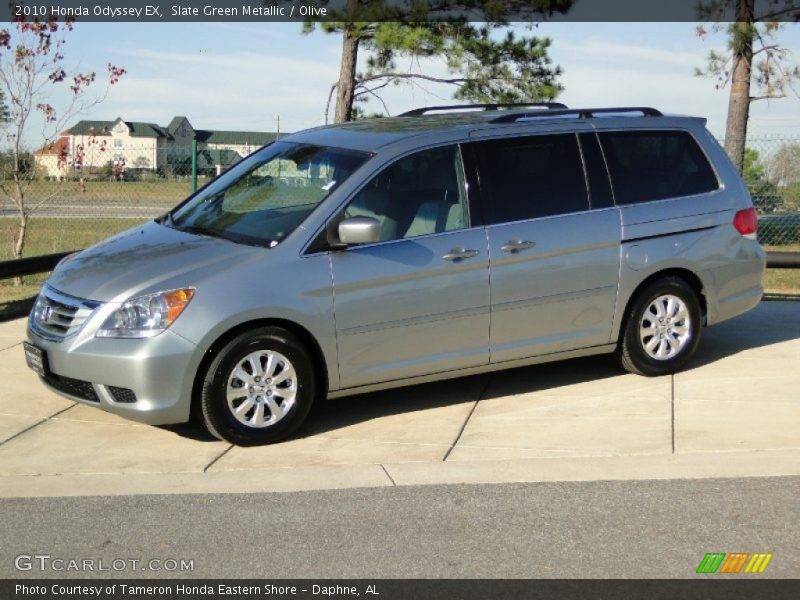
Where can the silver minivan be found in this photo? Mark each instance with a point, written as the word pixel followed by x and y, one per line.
pixel 387 252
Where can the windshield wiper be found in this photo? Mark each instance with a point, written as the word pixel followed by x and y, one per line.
pixel 168 220
pixel 231 237
pixel 200 230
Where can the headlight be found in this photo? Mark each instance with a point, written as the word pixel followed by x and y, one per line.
pixel 146 316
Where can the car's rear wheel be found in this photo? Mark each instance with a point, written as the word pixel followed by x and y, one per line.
pixel 259 388
pixel 662 328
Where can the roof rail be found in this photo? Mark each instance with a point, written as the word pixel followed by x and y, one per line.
pixel 580 113
pixel 419 112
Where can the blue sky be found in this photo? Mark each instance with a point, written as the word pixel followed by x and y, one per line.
pixel 245 75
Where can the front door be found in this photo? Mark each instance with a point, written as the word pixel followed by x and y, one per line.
pixel 417 302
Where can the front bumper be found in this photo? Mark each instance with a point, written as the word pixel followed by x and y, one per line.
pixel 159 371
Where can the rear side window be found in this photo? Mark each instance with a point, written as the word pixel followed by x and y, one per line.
pixel 653 165
pixel 528 177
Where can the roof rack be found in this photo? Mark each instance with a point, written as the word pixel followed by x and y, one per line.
pixel 580 113
pixel 419 112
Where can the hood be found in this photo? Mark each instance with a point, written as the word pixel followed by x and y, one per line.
pixel 146 259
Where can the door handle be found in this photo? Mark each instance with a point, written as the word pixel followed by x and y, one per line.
pixel 514 246
pixel 459 254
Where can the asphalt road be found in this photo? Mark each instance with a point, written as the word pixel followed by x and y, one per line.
pixel 597 529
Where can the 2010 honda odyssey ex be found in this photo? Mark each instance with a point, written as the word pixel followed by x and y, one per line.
pixel 393 251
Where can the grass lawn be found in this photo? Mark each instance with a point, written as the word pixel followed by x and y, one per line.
pixel 46 236
pixel 783 281
pixel 168 192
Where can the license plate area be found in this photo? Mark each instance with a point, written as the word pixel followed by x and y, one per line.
pixel 36 359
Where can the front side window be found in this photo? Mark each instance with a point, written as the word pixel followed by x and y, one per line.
pixel 263 198
pixel 530 177
pixel 653 165
pixel 420 194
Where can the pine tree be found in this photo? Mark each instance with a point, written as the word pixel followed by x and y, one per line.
pixel 481 67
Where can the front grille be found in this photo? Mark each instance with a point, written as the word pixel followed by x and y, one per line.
pixel 122 394
pixel 56 315
pixel 73 387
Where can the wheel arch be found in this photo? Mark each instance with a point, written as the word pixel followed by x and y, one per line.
pixel 306 337
pixel 688 276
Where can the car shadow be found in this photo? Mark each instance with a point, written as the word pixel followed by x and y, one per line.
pixel 191 431
pixel 770 323
pixel 338 413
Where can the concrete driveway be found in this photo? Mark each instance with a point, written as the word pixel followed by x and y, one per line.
pixel 735 412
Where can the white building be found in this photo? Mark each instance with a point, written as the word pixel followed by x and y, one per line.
pixel 146 147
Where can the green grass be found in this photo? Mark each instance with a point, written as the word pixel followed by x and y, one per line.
pixel 46 236
pixel 166 191
pixel 783 248
pixel 785 281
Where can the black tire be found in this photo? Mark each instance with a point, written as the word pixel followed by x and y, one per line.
pixel 218 418
pixel 632 353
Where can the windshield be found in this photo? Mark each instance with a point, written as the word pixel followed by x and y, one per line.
pixel 267 195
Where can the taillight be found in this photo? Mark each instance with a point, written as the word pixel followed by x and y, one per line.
pixel 746 222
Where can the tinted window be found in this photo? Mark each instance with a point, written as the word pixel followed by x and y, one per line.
pixel 599 185
pixel 418 195
pixel 651 165
pixel 530 177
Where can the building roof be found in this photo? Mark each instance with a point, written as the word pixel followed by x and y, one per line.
pixel 175 123
pixel 151 130
pixel 146 130
pixel 136 128
pixel 59 147
pixel 91 128
pixel 239 138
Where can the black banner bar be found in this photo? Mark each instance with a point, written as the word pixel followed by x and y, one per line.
pixel 392 10
pixel 710 587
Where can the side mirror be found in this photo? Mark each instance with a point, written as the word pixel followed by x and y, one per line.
pixel 359 230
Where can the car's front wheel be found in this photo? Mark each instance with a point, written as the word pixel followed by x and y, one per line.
pixel 662 328
pixel 259 388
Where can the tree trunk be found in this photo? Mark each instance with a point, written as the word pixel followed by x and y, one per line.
pixel 19 242
pixel 739 99
pixel 22 221
pixel 347 72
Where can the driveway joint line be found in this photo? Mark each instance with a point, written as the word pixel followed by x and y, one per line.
pixel 10 347
pixel 672 410
pixel 394 484
pixel 214 461
pixel 469 416
pixel 43 420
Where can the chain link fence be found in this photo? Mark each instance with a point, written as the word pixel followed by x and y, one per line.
pixel 772 174
pixel 71 207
